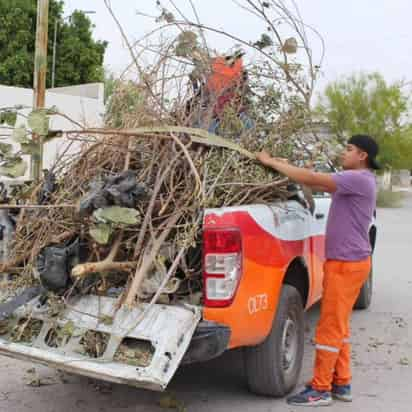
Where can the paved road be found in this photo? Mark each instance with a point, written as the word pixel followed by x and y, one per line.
pixel 382 352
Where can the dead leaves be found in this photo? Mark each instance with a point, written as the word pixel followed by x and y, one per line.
pixel 169 401
pixel 290 46
pixel 33 379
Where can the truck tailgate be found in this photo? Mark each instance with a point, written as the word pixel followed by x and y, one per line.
pixel 123 341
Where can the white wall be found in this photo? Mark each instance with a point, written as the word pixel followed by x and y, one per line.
pixel 84 104
pixel 91 90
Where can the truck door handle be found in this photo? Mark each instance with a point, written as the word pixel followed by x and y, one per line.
pixel 320 215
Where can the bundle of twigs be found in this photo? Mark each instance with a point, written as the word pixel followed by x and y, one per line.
pixel 183 169
pixel 183 174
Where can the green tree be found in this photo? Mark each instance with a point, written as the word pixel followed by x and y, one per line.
pixel 366 103
pixel 79 57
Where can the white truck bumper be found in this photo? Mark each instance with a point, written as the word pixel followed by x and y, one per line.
pixel 169 330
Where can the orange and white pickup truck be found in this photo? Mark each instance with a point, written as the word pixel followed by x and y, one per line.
pixel 262 268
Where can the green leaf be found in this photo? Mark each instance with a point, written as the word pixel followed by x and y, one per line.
pixel 20 135
pixel 5 148
pixel 13 169
pixel 30 148
pixel 264 42
pixel 39 122
pixel 186 43
pixel 107 320
pixel 68 329
pixel 9 117
pixel 101 233
pixel 117 214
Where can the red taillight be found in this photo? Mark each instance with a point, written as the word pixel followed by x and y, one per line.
pixel 222 265
pixel 222 241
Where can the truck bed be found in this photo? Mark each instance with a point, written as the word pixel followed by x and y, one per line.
pixel 141 347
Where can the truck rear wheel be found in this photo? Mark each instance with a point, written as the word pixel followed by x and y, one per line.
pixel 365 295
pixel 273 367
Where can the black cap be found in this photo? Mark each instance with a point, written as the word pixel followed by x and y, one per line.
pixel 368 145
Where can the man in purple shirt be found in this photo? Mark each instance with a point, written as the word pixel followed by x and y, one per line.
pixel 348 262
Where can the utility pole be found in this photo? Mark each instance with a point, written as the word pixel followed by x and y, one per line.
pixel 40 71
pixel 56 23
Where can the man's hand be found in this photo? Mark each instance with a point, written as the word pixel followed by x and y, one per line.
pixel 265 158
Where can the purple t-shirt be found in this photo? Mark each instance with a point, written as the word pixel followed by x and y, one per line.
pixel 350 216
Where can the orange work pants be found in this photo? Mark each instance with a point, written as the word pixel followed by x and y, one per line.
pixel 341 286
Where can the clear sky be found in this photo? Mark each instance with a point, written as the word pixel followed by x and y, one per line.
pixel 367 35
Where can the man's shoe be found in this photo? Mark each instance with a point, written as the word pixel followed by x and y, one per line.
pixel 342 393
pixel 310 397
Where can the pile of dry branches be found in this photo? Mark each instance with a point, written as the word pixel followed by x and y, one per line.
pixel 152 247
pixel 179 178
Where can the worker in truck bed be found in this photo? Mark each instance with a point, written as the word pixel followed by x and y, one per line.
pixel 348 263
pixel 223 85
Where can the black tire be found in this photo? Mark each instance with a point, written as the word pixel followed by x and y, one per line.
pixel 365 295
pixel 273 367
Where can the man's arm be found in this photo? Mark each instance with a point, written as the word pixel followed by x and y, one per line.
pixel 299 175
